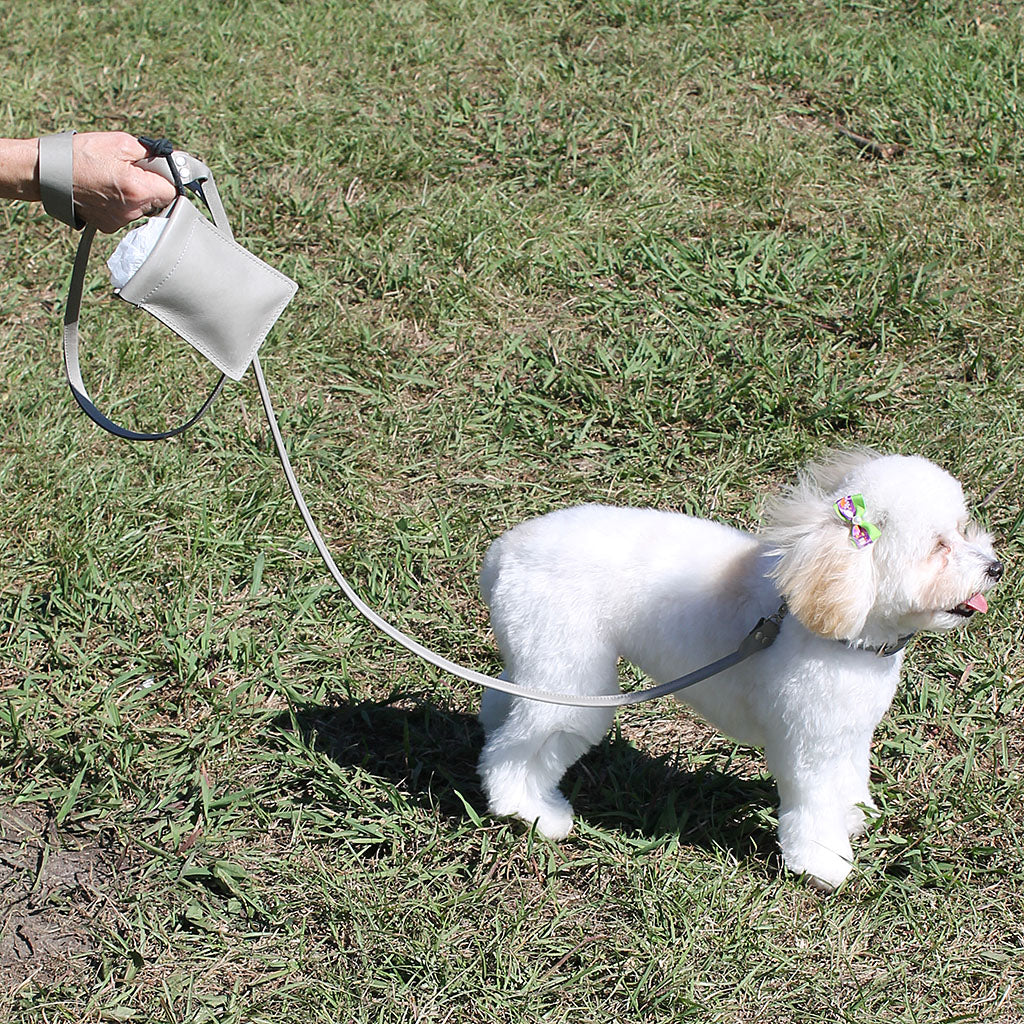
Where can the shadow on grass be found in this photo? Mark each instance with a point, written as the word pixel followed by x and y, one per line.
pixel 429 755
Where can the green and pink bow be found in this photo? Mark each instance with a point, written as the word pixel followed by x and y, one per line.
pixel 851 510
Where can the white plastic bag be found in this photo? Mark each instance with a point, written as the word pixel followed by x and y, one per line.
pixel 132 250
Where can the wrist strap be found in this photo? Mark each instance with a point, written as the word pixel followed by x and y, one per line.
pixel 56 177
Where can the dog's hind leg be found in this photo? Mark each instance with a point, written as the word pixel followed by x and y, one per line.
pixel 529 749
pixel 494 707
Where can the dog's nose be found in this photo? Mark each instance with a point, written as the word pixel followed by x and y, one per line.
pixel 995 570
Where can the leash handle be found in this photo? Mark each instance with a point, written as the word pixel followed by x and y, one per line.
pixel 72 366
pixel 169 163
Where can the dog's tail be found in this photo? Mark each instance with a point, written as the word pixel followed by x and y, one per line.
pixel 489 571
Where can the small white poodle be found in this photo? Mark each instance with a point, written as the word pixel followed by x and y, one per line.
pixel 864 550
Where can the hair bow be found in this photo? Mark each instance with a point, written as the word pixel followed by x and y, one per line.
pixel 852 512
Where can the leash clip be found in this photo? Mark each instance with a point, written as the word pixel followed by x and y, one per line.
pixel 765 633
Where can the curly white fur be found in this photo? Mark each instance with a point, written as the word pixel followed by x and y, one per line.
pixel 574 591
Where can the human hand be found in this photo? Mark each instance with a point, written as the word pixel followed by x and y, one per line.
pixel 110 188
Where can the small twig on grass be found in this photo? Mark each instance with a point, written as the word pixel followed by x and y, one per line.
pixel 582 944
pixel 1012 475
pixel 876 150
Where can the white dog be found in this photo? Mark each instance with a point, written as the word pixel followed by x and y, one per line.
pixel 865 550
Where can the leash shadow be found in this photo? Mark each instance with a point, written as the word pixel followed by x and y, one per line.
pixel 428 755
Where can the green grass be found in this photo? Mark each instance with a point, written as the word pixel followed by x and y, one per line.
pixel 548 252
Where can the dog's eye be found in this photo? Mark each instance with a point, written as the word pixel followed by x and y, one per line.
pixel 942 546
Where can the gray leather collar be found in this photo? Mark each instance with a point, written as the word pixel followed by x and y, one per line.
pixel 882 650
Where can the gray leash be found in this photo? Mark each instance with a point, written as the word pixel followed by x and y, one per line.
pixel 761 636
pixel 57 189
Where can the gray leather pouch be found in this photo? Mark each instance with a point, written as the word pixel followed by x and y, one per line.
pixel 208 289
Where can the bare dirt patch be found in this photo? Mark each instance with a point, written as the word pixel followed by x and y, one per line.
pixel 52 887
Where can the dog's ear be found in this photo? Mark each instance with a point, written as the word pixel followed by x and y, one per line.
pixel 828 583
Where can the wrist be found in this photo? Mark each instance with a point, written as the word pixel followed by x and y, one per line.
pixel 19 169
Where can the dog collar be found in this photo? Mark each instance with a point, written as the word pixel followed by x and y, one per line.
pixel 881 650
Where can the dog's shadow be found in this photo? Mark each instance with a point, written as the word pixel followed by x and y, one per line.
pixel 428 754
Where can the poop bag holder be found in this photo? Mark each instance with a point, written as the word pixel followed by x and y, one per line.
pixel 196 279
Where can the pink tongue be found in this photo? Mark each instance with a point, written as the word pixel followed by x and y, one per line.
pixel 978 603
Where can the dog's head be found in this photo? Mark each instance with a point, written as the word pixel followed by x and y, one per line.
pixel 873 547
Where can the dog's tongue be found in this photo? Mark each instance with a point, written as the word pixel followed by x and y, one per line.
pixel 978 603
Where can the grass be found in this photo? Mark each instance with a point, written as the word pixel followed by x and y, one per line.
pixel 548 252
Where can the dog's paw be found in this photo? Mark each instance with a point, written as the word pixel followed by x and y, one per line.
pixel 824 870
pixel 554 826
pixel 552 818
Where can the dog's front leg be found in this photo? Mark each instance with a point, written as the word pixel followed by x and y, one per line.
pixel 857 795
pixel 814 822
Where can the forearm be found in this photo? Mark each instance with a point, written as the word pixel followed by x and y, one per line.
pixel 19 169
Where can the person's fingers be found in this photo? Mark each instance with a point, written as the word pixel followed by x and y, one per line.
pixel 135 150
pixel 155 188
pixel 111 190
